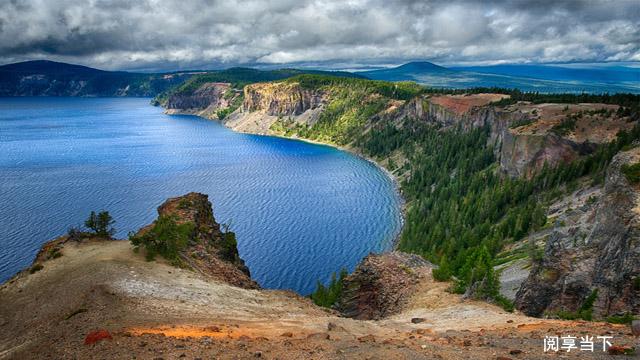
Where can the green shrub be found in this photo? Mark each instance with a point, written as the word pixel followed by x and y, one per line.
pixel 623 319
pixel 166 238
pixel 35 268
pixel 505 303
pixel 443 272
pixel 54 253
pixel 566 126
pixel 101 224
pixel 229 246
pixel 631 172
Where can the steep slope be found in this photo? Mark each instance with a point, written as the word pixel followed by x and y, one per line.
pixel 601 256
pixel 100 299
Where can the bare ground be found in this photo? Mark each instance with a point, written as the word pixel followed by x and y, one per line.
pixel 155 311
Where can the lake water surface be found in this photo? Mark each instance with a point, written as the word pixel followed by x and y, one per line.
pixel 300 211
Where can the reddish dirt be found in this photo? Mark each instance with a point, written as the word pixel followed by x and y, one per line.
pixel 95 336
pixel 155 311
pixel 461 104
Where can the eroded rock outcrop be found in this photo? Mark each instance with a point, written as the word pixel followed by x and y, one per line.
pixel 381 285
pixel 206 100
pixel 281 98
pixel 209 251
pixel 602 256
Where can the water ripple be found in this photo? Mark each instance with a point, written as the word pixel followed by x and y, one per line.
pixel 301 211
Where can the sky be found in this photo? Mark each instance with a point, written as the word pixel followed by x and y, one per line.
pixel 154 35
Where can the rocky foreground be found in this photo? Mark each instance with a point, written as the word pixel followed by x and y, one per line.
pixel 97 298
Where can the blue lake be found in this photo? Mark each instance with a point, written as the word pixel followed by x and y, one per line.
pixel 300 211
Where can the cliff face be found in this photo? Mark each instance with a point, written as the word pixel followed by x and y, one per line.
pixel 382 284
pixel 521 149
pixel 524 155
pixel 280 99
pixel 602 255
pixel 209 95
pixel 210 251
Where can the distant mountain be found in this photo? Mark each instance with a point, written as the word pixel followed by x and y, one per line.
pixel 407 72
pixel 542 78
pixel 50 78
pixel 47 67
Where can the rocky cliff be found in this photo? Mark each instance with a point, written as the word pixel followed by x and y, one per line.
pixel 525 136
pixel 382 284
pixel 601 256
pixel 281 99
pixel 212 96
pixel 209 250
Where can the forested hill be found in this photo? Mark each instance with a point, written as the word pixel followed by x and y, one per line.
pixel 485 172
pixel 49 78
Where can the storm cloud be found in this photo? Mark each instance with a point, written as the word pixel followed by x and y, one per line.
pixel 181 34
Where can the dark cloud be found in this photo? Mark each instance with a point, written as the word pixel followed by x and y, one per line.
pixel 172 34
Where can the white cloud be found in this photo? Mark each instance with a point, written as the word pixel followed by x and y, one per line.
pixel 152 34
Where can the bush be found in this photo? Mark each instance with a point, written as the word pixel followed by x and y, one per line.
pixel 101 224
pixel 623 319
pixel 443 272
pixel 75 234
pixel 35 268
pixel 229 246
pixel 631 172
pixel 505 303
pixel 166 238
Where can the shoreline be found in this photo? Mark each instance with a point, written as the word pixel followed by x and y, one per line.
pixel 396 182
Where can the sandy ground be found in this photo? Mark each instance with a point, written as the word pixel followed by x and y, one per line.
pixel 155 311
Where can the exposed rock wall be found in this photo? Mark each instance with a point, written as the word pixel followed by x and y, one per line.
pixel 281 99
pixel 602 256
pixel 207 95
pixel 518 154
pixel 381 285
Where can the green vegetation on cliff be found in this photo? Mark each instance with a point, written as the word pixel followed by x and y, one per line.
pixel 460 206
pixel 239 77
pixel 165 237
pixel 352 102
pixel 326 296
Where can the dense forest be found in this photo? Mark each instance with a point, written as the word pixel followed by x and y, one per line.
pixel 462 210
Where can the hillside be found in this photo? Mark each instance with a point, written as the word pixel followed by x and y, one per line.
pixel 541 78
pixel 481 172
